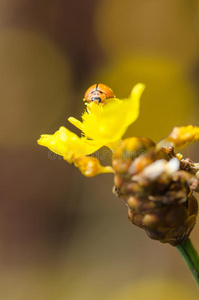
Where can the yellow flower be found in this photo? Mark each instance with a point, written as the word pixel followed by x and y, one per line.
pixel 182 136
pixel 107 124
pixel 102 125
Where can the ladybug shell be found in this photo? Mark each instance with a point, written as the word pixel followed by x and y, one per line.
pixel 98 93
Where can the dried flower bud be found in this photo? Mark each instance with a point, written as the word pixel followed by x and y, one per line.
pixel 157 188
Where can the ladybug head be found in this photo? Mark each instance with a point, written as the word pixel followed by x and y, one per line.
pixel 98 93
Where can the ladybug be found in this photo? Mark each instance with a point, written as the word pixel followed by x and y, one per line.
pixel 98 93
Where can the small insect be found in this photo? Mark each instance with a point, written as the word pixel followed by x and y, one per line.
pixel 98 93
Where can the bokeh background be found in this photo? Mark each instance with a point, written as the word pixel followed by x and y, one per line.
pixel 63 236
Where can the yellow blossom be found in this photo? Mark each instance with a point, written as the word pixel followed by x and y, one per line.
pixel 102 125
pixel 107 124
pixel 182 136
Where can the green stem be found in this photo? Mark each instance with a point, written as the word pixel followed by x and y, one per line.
pixel 191 257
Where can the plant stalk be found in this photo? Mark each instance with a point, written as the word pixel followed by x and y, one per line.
pixel 190 257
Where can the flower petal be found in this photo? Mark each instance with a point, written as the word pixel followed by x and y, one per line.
pixel 76 123
pixel 66 143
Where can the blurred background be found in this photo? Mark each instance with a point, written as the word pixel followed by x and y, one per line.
pixel 63 236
